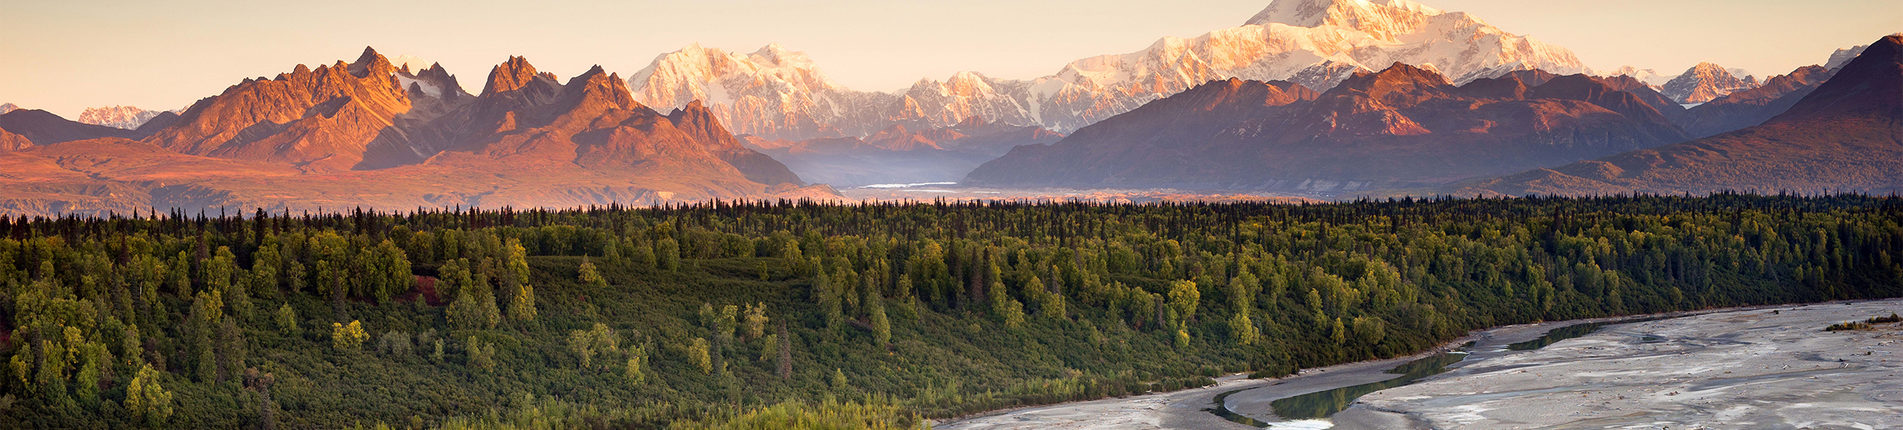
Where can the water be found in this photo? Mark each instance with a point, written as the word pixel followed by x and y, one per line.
pixel 911 185
pixel 1576 330
pixel 1316 407
pixel 1223 411
pixel 1322 404
pixel 1555 335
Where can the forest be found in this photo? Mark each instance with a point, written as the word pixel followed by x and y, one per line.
pixel 779 314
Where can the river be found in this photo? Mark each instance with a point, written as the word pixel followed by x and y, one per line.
pixel 1480 381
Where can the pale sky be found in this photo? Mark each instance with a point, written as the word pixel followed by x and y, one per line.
pixel 65 55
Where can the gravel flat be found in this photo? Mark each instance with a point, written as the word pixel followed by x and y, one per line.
pixel 1764 367
pixel 1250 398
pixel 1758 368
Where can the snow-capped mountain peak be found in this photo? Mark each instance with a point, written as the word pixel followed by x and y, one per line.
pixel 125 117
pixel 1379 17
pixel 1650 77
pixel 774 54
pixel 967 84
pixel 1704 82
pixel 779 93
pixel 771 91
pixel 1843 56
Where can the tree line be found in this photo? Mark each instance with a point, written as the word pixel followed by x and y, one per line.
pixel 755 313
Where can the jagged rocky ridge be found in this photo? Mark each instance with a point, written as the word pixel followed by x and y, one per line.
pixel 366 133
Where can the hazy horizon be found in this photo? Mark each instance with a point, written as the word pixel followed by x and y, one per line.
pixel 67 56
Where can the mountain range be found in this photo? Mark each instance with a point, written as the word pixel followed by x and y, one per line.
pixel 1401 126
pixel 366 133
pixel 1404 128
pixel 1845 135
pixel 780 94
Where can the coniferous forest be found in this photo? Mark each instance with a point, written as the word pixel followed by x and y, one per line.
pixel 778 314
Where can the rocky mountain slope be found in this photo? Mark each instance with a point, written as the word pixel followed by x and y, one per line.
pixel 366 133
pixel 321 119
pixel 1846 135
pixel 1402 125
pixel 781 95
pixel 13 142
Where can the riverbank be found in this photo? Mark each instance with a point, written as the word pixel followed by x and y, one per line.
pixel 1765 367
pixel 1479 346
pixel 1173 409
pixel 1251 398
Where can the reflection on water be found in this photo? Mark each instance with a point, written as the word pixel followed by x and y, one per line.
pixel 1223 411
pixel 910 185
pixel 1322 404
pixel 1572 331
pixel 1556 335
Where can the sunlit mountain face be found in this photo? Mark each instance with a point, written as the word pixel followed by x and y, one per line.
pixel 367 134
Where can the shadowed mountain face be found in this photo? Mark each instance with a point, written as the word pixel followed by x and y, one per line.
pixel 27 127
pixel 1751 107
pixel 1845 135
pixel 368 134
pixel 1401 126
